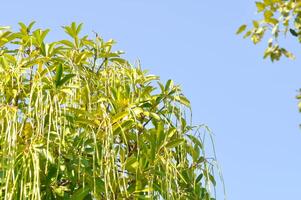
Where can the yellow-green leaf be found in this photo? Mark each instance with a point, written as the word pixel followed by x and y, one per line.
pixel 260 6
pixel 241 29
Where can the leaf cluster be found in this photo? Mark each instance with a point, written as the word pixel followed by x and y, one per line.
pixel 278 18
pixel 77 121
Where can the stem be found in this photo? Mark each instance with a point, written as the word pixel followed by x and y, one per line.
pixel 100 66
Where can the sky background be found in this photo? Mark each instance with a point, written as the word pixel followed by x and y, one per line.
pixel 248 102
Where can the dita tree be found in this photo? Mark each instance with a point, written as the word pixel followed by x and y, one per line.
pixel 77 121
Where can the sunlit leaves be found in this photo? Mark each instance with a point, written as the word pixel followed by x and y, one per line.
pixel 73 30
pixel 279 17
pixel 77 121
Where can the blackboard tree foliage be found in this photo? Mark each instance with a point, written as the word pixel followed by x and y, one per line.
pixel 279 19
pixel 77 121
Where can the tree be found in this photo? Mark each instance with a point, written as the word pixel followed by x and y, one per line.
pixel 279 18
pixel 77 121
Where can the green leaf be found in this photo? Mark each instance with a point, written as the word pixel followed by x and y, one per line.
pixel 80 193
pixel 60 191
pixel 160 133
pixel 23 27
pixel 212 179
pixel 123 126
pixel 247 34
pixel 241 29
pixel 132 164
pixel 201 160
pixel 255 24
pixel 198 179
pixel 79 28
pixel 73 27
pixel 119 116
pixel 174 143
pixel 195 140
pixel 260 6
pixel 30 26
pixel 169 85
pixel 137 111
pixel 4 28
pixel 67 43
pixel 268 15
pixel 58 75
pixel 293 32
pixel 65 79
pixel 287 53
pixel 100 185
pixel 154 115
pixel 51 173
pixel 69 31
pixel 183 100
pixel 272 20
pixel 119 61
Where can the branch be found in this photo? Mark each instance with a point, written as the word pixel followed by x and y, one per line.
pixel 100 66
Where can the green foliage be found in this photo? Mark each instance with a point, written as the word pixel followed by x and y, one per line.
pixel 279 18
pixel 77 121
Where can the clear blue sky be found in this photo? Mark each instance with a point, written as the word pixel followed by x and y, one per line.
pixel 248 102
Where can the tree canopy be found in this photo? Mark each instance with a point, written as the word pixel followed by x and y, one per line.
pixel 78 121
pixel 278 18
